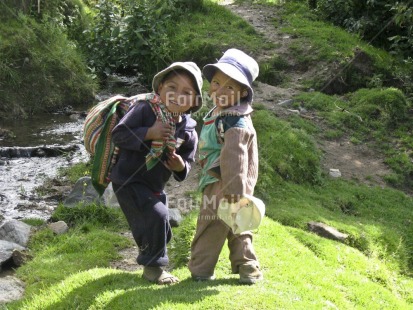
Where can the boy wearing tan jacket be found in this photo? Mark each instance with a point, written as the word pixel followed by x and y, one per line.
pixel 229 158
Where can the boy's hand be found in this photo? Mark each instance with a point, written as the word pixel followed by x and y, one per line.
pixel 158 131
pixel 175 162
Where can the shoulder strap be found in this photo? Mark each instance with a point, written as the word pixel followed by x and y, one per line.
pixel 225 122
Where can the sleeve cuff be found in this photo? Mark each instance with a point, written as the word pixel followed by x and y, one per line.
pixel 181 175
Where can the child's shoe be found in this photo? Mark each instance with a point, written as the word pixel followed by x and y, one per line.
pixel 250 274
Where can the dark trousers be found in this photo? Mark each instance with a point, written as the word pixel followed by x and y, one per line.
pixel 147 215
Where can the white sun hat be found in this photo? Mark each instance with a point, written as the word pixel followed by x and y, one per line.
pixel 192 69
pixel 238 66
pixel 244 215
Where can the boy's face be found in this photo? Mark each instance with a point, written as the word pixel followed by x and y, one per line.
pixel 178 93
pixel 224 91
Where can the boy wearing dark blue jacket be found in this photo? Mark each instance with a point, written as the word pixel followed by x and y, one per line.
pixel 157 139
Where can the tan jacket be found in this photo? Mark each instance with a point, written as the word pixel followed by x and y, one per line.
pixel 239 155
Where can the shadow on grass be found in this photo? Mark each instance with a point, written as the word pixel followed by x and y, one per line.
pixel 113 289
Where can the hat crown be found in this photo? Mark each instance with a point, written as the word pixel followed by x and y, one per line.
pixel 188 66
pixel 243 62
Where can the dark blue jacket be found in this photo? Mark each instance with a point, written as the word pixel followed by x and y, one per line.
pixel 129 136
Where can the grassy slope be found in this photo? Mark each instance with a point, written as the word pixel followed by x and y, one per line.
pixel 302 271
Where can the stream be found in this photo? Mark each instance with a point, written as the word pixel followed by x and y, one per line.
pixel 20 176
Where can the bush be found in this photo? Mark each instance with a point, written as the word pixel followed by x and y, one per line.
pixel 131 36
pixel 387 106
pixel 383 23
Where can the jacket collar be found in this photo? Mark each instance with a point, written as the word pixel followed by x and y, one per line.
pixel 238 110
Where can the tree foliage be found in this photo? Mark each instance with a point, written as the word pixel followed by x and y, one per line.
pixel 384 23
pixel 130 36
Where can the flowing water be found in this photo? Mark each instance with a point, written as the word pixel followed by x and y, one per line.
pixel 19 177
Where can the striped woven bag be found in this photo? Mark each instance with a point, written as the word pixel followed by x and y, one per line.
pixel 97 136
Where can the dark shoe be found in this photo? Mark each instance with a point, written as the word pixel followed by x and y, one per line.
pixel 250 274
pixel 203 278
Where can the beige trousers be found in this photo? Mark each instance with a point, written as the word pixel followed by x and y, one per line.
pixel 210 237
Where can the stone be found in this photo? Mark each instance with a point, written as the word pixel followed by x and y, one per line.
pixel 11 289
pixel 287 102
pixel 59 227
pixel 20 257
pixel 6 250
pixel 335 173
pixel 326 231
pixel 109 197
pixel 83 193
pixel 15 231
pixel 175 217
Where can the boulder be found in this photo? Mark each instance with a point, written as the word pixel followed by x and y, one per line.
pixel 15 231
pixel 11 289
pixel 326 231
pixel 59 227
pixel 109 197
pixel 83 193
pixel 6 250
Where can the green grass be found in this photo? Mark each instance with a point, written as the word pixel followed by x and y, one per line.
pixel 203 36
pixel 378 116
pixel 372 269
pixel 302 271
pixel 40 69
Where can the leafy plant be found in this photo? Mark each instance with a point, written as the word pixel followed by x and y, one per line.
pixel 383 23
pixel 131 36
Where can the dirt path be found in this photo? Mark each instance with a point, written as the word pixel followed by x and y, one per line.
pixel 357 162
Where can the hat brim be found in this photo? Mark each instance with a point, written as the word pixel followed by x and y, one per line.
pixel 233 72
pixel 248 217
pixel 157 79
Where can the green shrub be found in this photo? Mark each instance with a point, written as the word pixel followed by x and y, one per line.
pixel 382 22
pixel 128 36
pixel 388 105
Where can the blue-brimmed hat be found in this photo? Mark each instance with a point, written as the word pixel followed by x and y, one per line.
pixel 238 66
